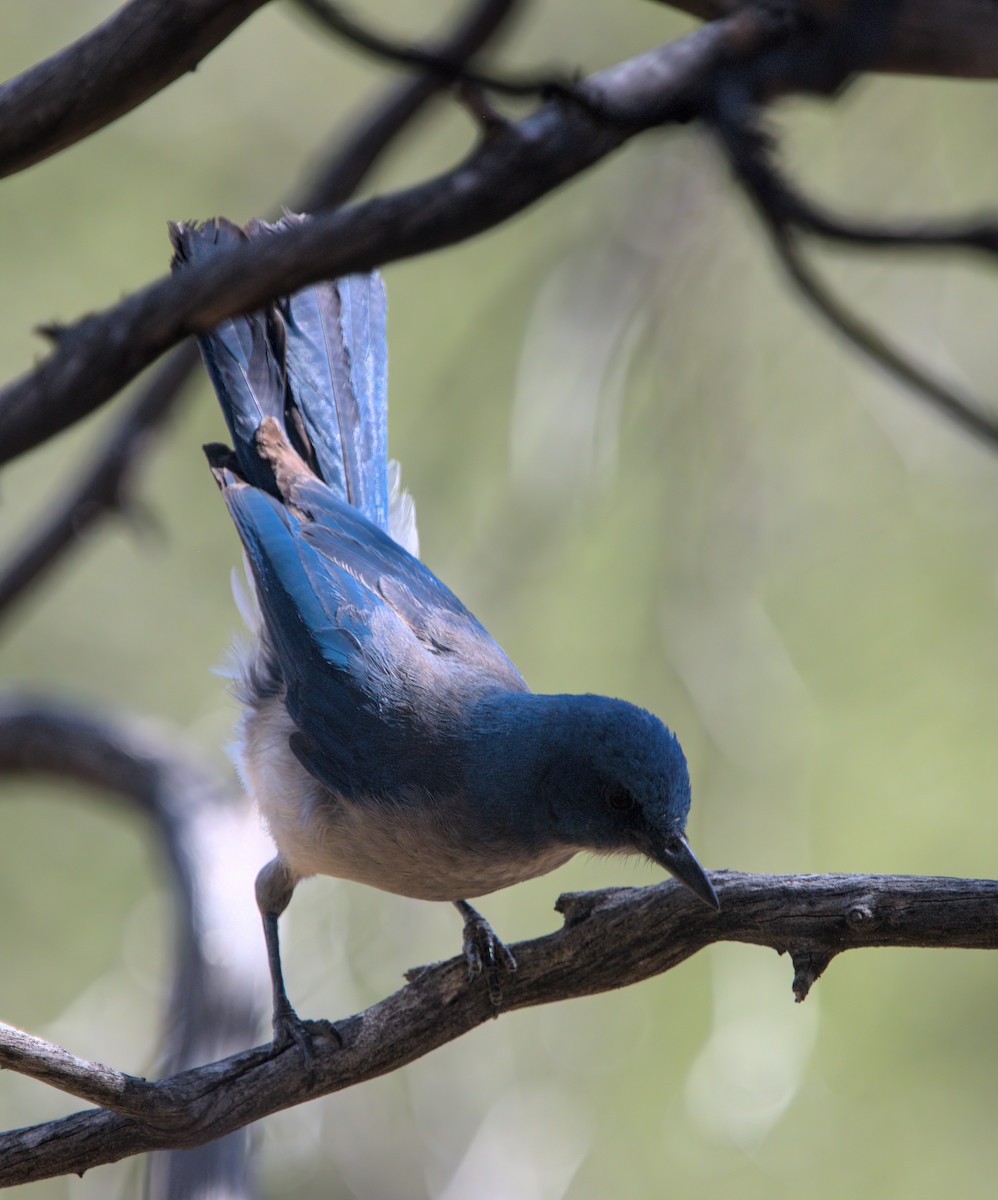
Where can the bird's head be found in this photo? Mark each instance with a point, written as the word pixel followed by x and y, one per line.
pixel 616 780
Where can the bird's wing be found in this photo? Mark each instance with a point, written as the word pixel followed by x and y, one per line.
pixel 370 643
pixel 333 642
pixel 367 641
pixel 345 540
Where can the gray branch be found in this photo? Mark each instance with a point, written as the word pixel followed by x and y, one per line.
pixel 609 939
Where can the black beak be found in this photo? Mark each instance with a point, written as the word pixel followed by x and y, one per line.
pixel 679 860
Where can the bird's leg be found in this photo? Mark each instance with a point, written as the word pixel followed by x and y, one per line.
pixel 274 887
pixel 484 952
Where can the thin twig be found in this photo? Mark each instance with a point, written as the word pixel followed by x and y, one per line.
pixel 353 156
pixel 750 153
pixel 784 213
pixel 966 412
pixel 444 67
pixel 609 940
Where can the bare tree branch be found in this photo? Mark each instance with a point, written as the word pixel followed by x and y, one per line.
pixel 510 171
pixel 219 999
pixel 785 213
pixel 438 64
pixel 352 158
pixel 104 487
pixel 135 53
pixel 106 484
pixel 750 152
pixel 966 412
pixel 91 1081
pixel 956 38
pixel 610 939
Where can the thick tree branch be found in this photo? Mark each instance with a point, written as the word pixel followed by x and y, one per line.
pixel 956 38
pixel 509 172
pixel 135 53
pixel 91 1081
pixel 610 939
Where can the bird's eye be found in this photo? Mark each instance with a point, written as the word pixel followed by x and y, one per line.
pixel 618 797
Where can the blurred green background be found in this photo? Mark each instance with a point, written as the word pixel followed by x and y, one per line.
pixel 651 474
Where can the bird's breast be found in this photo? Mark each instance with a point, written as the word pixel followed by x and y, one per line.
pixel 429 847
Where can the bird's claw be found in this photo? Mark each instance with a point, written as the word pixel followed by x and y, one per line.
pixel 291 1030
pixel 485 954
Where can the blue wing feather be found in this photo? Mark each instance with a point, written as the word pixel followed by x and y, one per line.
pixel 342 653
pixel 307 623
pixel 244 370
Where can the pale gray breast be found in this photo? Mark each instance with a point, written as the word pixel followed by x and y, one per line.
pixel 421 846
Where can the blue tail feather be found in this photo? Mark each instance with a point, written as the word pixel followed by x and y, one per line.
pixel 336 351
pixel 316 362
pixel 244 355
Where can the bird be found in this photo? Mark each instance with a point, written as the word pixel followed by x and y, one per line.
pixel 385 736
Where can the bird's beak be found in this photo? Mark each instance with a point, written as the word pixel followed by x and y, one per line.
pixel 679 860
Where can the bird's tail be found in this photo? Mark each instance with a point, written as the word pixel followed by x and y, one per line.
pixel 316 362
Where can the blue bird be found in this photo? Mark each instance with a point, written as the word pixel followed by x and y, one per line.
pixel 386 737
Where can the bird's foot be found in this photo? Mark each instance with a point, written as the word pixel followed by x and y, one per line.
pixel 485 954
pixel 289 1030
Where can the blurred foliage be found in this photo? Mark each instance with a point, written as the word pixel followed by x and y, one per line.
pixel 651 474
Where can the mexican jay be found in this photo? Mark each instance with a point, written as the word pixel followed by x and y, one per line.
pixel 386 737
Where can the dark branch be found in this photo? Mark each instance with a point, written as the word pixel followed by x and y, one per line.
pixel 218 1000
pixel 750 153
pixel 353 157
pixel 785 213
pixel 444 67
pixel 609 940
pixel 100 354
pixel 104 487
pixel 957 38
pixel 966 412
pixel 126 59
